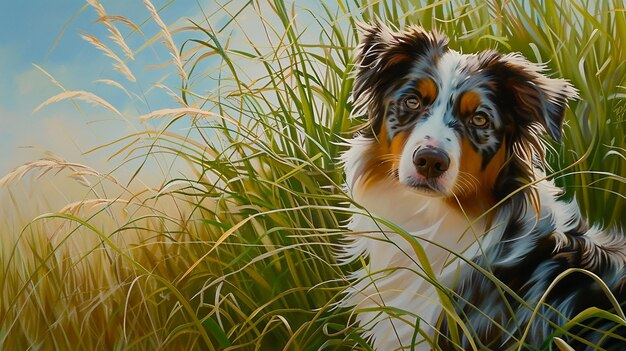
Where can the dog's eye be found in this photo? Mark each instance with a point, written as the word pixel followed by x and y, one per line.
pixel 479 120
pixel 412 102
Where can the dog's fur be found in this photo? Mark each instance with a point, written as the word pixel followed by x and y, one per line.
pixel 490 213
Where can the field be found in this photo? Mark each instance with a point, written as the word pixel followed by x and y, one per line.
pixel 216 225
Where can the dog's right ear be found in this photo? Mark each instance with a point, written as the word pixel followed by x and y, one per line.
pixel 384 57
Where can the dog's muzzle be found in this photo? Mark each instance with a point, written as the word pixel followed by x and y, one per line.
pixel 430 161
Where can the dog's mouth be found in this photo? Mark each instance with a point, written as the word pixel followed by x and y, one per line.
pixel 430 187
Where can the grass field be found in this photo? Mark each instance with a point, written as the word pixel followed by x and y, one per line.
pixel 234 247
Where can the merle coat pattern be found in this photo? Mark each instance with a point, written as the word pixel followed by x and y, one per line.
pixel 492 226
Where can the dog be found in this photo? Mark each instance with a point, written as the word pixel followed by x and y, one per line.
pixel 451 156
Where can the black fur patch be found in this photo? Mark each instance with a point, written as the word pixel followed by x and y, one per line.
pixel 525 262
pixel 384 58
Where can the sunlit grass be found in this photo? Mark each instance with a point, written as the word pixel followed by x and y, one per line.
pixel 234 248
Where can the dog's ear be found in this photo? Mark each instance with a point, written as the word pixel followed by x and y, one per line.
pixel 536 98
pixel 385 56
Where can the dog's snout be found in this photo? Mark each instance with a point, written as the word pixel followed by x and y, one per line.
pixel 431 162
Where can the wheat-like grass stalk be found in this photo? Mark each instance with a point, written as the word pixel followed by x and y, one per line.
pixel 54 163
pixel 79 95
pixel 109 19
pixel 116 36
pixel 167 39
pixel 182 111
pixel 52 79
pixel 88 205
pixel 115 84
pixel 119 65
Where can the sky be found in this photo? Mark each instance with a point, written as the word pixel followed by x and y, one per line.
pixel 44 35
pixel 47 34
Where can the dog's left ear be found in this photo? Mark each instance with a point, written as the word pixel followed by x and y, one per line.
pixel 384 57
pixel 536 97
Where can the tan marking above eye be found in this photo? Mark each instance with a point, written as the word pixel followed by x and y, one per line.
pixel 468 103
pixel 427 90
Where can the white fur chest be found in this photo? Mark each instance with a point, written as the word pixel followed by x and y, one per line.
pixel 392 292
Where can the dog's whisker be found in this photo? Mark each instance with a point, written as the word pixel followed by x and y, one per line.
pixel 467 184
pixel 469 177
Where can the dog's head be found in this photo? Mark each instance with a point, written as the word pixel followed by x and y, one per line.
pixel 447 123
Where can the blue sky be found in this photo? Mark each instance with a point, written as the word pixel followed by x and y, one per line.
pixel 28 35
pixel 48 34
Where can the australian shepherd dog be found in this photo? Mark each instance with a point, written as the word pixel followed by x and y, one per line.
pixel 462 241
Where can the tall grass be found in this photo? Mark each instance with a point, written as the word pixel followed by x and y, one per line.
pixel 234 249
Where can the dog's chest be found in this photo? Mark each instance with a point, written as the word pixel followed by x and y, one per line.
pixel 394 278
pixel 439 229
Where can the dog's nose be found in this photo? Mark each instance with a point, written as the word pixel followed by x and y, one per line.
pixel 431 161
